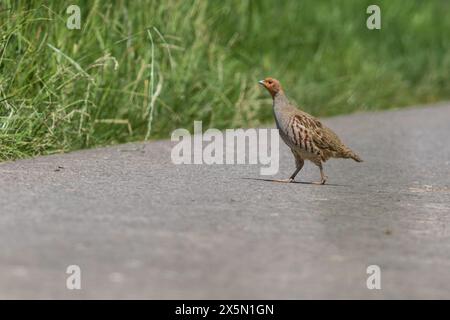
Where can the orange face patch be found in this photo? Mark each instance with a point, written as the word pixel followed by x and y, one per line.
pixel 272 85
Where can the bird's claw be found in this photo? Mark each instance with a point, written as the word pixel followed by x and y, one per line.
pixel 321 182
pixel 285 180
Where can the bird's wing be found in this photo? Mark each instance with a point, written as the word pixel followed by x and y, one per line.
pixel 310 135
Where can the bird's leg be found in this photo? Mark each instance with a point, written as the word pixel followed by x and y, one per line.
pixel 299 165
pixel 323 177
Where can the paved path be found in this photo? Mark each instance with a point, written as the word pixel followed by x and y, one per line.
pixel 141 227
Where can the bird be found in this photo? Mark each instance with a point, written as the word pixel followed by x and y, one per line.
pixel 304 134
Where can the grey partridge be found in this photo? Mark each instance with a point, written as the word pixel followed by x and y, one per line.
pixel 305 135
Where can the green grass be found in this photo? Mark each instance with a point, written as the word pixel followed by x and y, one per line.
pixel 139 69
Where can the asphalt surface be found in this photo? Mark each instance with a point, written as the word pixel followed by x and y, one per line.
pixel 141 227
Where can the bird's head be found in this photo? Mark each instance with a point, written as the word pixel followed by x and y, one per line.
pixel 272 85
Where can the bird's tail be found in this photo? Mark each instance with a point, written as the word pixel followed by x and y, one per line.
pixel 349 154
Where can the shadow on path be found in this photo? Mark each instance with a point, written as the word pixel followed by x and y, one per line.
pixel 298 182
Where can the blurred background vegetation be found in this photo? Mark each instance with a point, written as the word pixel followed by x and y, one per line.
pixel 139 69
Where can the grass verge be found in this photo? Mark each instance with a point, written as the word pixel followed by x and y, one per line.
pixel 139 69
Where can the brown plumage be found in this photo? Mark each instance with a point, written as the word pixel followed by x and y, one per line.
pixel 307 137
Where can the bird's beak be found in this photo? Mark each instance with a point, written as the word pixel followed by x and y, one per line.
pixel 261 82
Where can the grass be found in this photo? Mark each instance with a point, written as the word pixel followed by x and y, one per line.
pixel 139 69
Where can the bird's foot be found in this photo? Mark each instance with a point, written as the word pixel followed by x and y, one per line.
pixel 322 181
pixel 284 180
